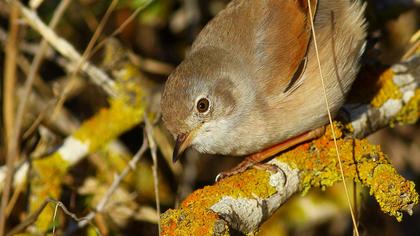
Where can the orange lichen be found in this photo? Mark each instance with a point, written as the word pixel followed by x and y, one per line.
pixel 194 217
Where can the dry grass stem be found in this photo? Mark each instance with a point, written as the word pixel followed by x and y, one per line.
pixel 153 150
pixel 9 109
pixel 331 120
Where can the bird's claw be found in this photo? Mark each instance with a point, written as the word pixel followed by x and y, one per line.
pixel 241 168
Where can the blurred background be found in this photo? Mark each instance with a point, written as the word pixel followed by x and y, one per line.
pixel 155 40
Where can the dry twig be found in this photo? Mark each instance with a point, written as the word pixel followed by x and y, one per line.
pixel 117 180
pixel 9 109
pixel 83 221
pixel 153 150
pixel 34 216
pixel 85 56
pixel 13 149
pixel 96 75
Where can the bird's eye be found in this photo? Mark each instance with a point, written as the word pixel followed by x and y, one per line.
pixel 203 105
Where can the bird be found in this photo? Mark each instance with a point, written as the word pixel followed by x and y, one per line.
pixel 250 83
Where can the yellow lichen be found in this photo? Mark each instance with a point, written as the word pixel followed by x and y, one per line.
pixel 109 123
pixel 410 112
pixel 389 90
pixel 391 190
pixel 124 112
pixel 46 183
pixel 360 160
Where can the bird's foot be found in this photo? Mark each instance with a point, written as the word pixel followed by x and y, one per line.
pixel 245 165
pixel 255 160
pixel 241 167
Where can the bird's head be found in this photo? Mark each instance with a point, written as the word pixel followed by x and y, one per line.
pixel 200 100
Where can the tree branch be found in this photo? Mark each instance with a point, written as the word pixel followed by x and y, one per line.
pixel 246 200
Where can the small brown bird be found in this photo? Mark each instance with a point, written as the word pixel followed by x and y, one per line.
pixel 251 79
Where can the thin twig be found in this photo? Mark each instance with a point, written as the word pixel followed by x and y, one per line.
pixel 34 4
pixel 72 215
pixel 34 216
pixel 25 65
pixel 410 52
pixel 122 26
pixel 13 149
pixel 153 150
pixel 9 109
pixel 28 221
pixel 37 62
pixel 117 180
pixel 13 199
pixel 10 74
pixel 96 75
pixel 85 55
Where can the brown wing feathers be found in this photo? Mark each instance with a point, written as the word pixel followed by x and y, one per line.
pixel 282 42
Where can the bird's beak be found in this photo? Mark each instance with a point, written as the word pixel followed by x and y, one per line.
pixel 183 141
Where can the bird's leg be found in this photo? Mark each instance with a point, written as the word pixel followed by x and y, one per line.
pixel 254 160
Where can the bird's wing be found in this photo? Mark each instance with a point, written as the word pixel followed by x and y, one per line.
pixel 282 38
pixel 272 36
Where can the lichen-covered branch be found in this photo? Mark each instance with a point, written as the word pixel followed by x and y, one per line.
pixel 126 110
pixel 246 200
pixel 124 113
pixel 397 102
